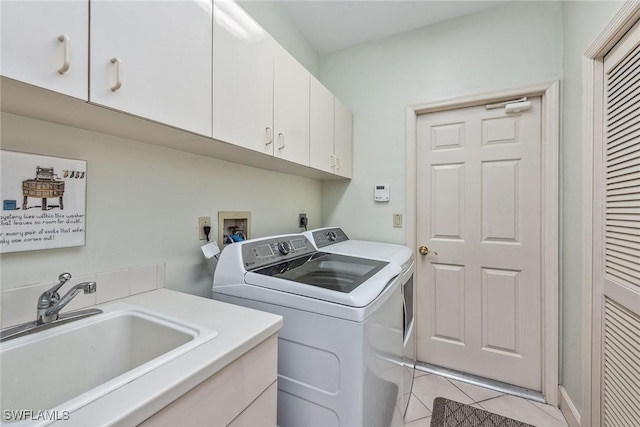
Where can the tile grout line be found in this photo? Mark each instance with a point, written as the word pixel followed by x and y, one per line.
pixel 472 399
pixel 462 391
pixel 478 402
pixel 421 418
pixel 548 414
pixel 422 403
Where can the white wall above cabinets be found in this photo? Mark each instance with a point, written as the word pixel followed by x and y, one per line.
pixel 153 60
pixel 331 130
pixel 45 44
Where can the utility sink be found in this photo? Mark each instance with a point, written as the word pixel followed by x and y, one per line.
pixel 63 368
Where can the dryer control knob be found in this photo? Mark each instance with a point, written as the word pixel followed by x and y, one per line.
pixel 284 248
pixel 332 236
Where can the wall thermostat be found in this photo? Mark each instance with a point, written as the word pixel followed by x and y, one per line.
pixel 381 193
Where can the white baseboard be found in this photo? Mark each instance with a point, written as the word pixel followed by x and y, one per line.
pixel 568 409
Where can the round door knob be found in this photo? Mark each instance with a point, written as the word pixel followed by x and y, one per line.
pixel 425 251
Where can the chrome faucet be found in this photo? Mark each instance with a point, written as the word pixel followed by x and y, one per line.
pixel 50 303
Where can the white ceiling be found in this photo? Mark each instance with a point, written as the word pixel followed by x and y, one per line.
pixel 331 25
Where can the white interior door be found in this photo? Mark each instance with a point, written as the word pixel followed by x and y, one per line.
pixel 479 208
pixel 616 235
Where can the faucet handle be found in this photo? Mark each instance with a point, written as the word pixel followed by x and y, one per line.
pixel 63 278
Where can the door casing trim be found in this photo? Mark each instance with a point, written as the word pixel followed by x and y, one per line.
pixel 592 118
pixel 550 94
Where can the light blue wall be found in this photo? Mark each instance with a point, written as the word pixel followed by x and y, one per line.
pixel 582 23
pixel 143 204
pixel 511 45
pixel 515 44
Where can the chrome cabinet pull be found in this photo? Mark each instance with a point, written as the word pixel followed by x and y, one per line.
pixel 64 39
pixel 270 133
pixel 117 62
pixel 281 138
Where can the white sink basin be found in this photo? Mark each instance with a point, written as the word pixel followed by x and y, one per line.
pixel 63 368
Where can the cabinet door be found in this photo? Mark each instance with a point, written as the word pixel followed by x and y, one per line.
pixel 321 127
pixel 343 140
pixel 45 43
pixel 242 82
pixel 290 108
pixel 153 59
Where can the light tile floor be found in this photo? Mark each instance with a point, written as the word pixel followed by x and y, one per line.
pixel 427 387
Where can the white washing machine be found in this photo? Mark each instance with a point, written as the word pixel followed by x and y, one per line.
pixel 335 240
pixel 342 332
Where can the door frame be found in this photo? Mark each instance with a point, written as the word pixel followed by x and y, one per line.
pixel 592 164
pixel 550 180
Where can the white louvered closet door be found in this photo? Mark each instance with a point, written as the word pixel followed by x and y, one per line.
pixel 618 237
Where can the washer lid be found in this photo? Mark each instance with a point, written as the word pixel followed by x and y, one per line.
pixel 334 240
pixel 334 278
pixel 375 250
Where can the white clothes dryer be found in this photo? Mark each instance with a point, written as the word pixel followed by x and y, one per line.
pixel 335 240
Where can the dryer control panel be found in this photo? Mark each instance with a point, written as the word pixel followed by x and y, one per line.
pixel 329 236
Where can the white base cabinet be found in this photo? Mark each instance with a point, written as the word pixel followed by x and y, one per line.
pixel 45 43
pixel 242 394
pixel 153 59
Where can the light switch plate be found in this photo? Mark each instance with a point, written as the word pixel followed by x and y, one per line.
pixel 397 220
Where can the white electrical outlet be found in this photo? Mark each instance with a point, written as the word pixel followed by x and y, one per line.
pixel 202 221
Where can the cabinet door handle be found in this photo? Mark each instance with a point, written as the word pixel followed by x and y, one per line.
pixel 118 64
pixel 281 138
pixel 333 162
pixel 338 163
pixel 64 39
pixel 270 133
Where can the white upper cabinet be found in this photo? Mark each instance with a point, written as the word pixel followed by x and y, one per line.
pixel 260 92
pixel 242 80
pixel 321 145
pixel 45 43
pixel 343 140
pixel 290 108
pixel 331 132
pixel 204 67
pixel 153 59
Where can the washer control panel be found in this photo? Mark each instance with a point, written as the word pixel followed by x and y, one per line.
pixel 329 236
pixel 261 253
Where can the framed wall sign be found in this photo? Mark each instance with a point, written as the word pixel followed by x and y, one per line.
pixel 43 202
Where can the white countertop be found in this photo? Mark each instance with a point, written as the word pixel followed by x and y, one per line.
pixel 239 330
